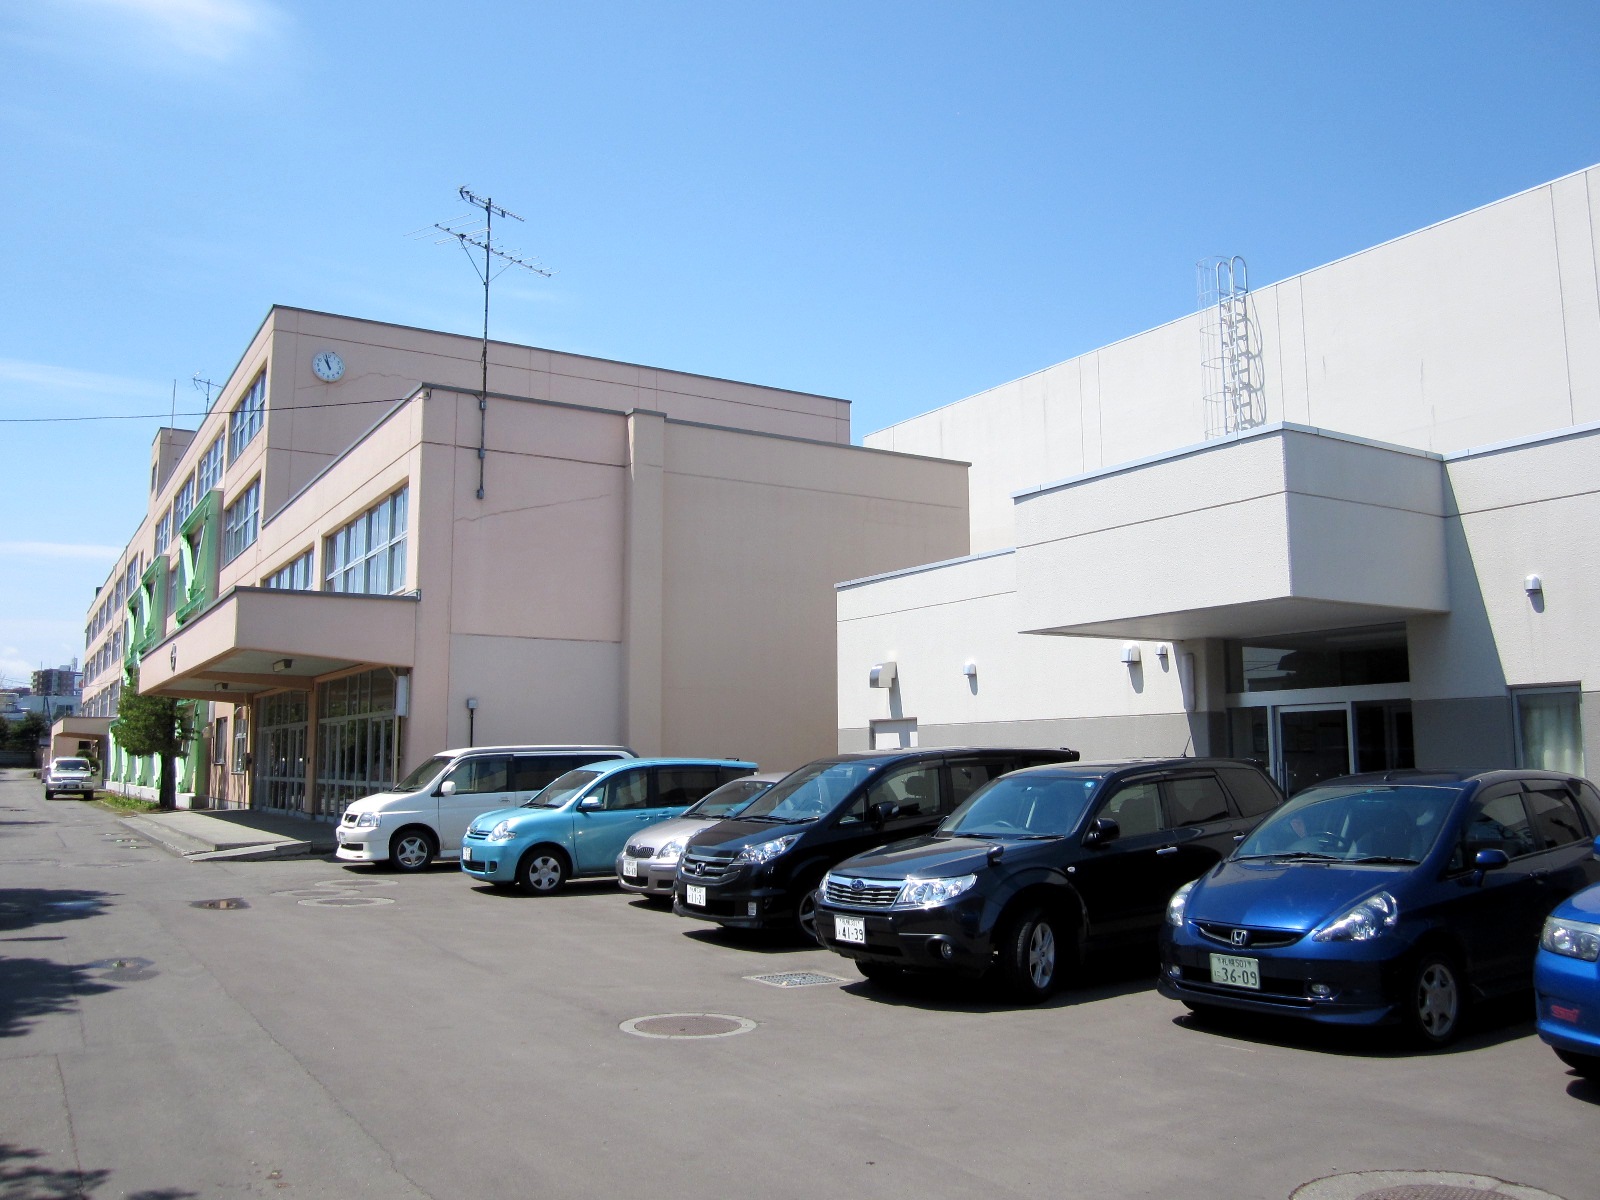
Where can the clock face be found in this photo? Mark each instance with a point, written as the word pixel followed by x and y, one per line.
pixel 327 365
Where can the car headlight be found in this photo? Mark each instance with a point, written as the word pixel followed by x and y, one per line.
pixel 765 852
pixel 1179 904
pixel 671 851
pixel 1571 939
pixel 926 893
pixel 367 820
pixel 501 832
pixel 1374 916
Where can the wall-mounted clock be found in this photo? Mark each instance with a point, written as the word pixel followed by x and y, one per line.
pixel 327 365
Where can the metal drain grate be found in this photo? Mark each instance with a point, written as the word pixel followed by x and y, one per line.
pixel 226 902
pixel 794 979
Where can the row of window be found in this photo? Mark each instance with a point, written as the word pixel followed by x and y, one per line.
pixel 366 556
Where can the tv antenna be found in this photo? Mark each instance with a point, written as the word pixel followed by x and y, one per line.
pixel 204 385
pixel 473 233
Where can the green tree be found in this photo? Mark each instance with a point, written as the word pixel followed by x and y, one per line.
pixel 152 725
pixel 27 733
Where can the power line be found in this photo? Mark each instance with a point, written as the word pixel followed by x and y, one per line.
pixel 175 415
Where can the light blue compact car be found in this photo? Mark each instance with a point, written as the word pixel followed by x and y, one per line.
pixel 578 825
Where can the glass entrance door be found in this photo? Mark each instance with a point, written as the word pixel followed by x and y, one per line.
pixel 1313 745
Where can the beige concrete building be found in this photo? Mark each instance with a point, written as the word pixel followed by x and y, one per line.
pixel 354 563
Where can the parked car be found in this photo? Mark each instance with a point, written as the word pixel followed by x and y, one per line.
pixel 648 864
pixel 1397 897
pixel 1039 867
pixel 578 825
pixel 426 813
pixel 1566 981
pixel 75 775
pixel 761 869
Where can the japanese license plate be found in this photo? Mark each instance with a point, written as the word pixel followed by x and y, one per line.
pixel 466 856
pixel 1233 971
pixel 630 868
pixel 694 895
pixel 851 929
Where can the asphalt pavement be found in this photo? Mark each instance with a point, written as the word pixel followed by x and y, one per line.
pixel 173 1028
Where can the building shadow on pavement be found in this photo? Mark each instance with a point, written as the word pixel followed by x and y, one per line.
pixel 35 987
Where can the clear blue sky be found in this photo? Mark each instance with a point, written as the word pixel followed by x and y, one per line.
pixel 896 203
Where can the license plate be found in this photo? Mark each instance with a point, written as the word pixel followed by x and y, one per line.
pixel 1233 971
pixel 851 929
pixel 694 895
pixel 466 856
pixel 630 868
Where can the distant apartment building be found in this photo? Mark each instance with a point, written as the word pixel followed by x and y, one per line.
pixel 1348 521
pixel 357 561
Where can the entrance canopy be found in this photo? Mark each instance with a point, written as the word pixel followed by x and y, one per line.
pixel 266 639
pixel 1282 529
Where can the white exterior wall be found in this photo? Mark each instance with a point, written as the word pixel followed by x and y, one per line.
pixel 1478 329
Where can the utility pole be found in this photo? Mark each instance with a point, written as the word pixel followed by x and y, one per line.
pixel 475 233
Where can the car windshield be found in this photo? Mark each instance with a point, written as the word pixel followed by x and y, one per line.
pixel 1375 823
pixel 72 764
pixel 561 789
pixel 811 792
pixel 1024 805
pixel 424 774
pixel 729 800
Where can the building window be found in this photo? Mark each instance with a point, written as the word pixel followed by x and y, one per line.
pixel 172 587
pixel 241 740
pixel 163 531
pixel 183 502
pixel 219 742
pixel 210 469
pixel 1549 731
pixel 369 554
pixel 296 577
pixel 358 738
pixel 1334 658
pixel 245 420
pixel 241 520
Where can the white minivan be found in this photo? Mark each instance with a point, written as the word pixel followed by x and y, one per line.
pixel 428 812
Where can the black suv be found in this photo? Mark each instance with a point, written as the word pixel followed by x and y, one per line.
pixel 1041 866
pixel 761 869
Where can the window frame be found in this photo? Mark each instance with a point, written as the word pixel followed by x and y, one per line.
pixel 340 564
pixel 1574 690
pixel 247 416
pixel 232 530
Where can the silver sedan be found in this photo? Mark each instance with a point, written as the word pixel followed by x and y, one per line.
pixel 649 862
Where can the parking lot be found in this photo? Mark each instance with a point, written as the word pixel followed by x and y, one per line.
pixel 328 1031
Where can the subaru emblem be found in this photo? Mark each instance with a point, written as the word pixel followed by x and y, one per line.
pixel 857 886
pixel 1240 937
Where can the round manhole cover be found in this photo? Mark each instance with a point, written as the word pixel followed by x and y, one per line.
pixel 346 901
pixel 354 881
pixel 687 1025
pixel 1417 1185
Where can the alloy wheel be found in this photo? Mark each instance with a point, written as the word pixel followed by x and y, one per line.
pixel 1042 955
pixel 1438 1000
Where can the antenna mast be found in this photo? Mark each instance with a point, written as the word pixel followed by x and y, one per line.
pixel 475 233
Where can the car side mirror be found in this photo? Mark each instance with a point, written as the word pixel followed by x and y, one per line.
pixel 447 788
pixel 1101 831
pixel 589 804
pixel 1597 847
pixel 881 813
pixel 1487 860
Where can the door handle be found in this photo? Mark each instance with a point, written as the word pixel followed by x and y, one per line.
pixel 1239 837
pixel 1167 850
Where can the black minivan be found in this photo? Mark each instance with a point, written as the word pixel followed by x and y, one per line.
pixel 1041 866
pixel 761 869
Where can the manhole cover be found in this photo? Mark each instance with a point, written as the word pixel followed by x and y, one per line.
pixel 346 901
pixel 227 902
pixel 687 1025
pixel 1417 1185
pixel 794 979
pixel 124 970
pixel 353 882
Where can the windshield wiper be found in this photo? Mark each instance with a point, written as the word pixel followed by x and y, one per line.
pixel 780 820
pixel 1386 859
pixel 1290 856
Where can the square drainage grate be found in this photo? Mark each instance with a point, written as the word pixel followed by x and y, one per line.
pixel 794 979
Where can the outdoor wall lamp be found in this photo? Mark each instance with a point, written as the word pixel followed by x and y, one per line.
pixel 970 670
pixel 1130 653
pixel 472 719
pixel 883 675
pixel 1533 585
pixel 282 665
pixel 1162 651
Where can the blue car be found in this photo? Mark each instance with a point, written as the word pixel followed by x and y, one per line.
pixel 1566 981
pixel 1376 899
pixel 580 822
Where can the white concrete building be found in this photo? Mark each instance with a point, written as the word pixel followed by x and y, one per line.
pixel 1385 554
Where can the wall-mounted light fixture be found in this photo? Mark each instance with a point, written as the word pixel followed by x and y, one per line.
pixel 472 719
pixel 970 670
pixel 1130 653
pixel 283 664
pixel 1162 651
pixel 883 675
pixel 1533 585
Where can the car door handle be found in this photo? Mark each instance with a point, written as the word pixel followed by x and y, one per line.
pixel 1239 837
pixel 1167 850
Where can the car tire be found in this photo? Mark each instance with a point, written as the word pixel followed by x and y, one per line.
pixel 805 916
pixel 1435 1002
pixel 411 850
pixel 49 795
pixel 1031 956
pixel 543 870
pixel 1587 1065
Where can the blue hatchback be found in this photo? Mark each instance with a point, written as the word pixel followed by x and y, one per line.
pixel 1566 981
pixel 579 823
pixel 1384 898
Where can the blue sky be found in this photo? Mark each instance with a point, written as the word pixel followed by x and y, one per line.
pixel 900 204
